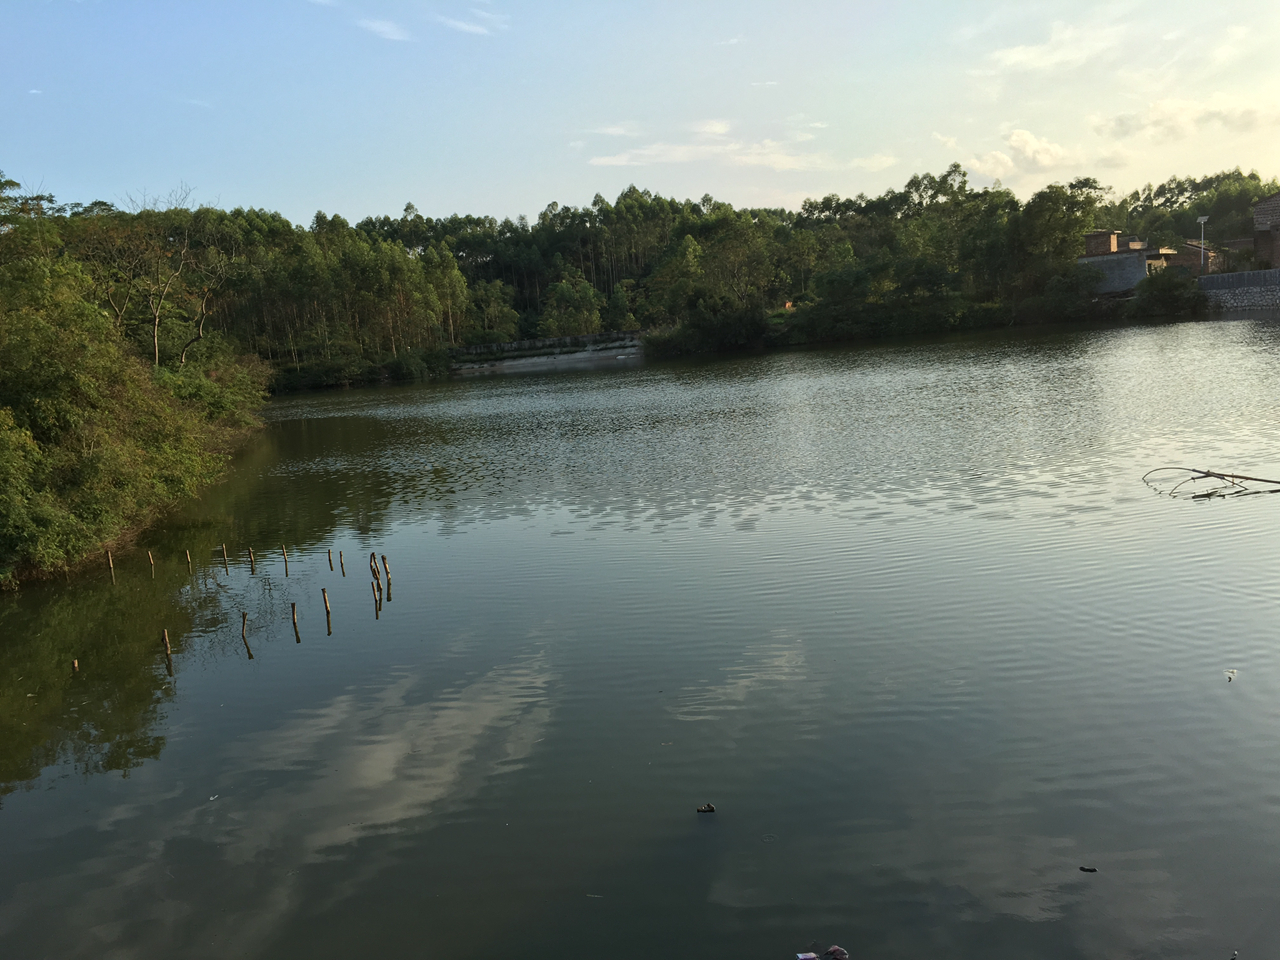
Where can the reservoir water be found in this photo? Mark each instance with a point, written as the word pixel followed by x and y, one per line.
pixel 908 616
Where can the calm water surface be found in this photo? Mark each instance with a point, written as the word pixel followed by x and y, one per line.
pixel 907 616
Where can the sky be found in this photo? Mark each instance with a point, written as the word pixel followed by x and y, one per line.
pixel 499 107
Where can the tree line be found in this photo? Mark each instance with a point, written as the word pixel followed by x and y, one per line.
pixel 136 343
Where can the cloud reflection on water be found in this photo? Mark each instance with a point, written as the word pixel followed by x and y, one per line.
pixel 307 792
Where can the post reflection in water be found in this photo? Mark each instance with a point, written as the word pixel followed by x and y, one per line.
pixel 907 616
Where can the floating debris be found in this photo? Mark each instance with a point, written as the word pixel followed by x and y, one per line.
pixel 1088 869
pixel 1231 675
pixel 1225 484
pixel 707 808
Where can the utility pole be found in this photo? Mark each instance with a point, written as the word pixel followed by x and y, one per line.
pixel 1201 221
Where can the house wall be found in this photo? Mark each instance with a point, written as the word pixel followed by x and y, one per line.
pixel 1120 271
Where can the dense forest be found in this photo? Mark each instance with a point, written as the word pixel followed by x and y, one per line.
pixel 136 344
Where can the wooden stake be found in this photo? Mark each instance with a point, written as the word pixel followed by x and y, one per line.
pixel 377 601
pixel 386 566
pixel 286 559
pixel 253 562
pixel 225 567
pixel 111 563
pixel 168 654
pixel 328 619
pixel 244 621
pixel 296 636
pixel 188 561
pixel 330 561
pixel 75 666
pixel 164 638
pixel 341 564
pixel 153 564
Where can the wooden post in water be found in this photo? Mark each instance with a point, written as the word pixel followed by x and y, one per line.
pixel 331 560
pixel 296 636
pixel 112 564
pixel 153 564
pixel 168 653
pixel 377 606
pixel 244 623
pixel 386 566
pixel 341 564
pixel 286 559
pixel 75 666
pixel 328 619
pixel 253 562
pixel 225 567
pixel 188 561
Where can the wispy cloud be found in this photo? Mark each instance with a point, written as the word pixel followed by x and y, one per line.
pixel 765 83
pixel 35 91
pixel 464 26
pixel 386 29
pixel 501 21
pixel 875 162
pixel 712 141
pixel 1172 119
pixel 1067 46
pixel 949 142
pixel 712 128
pixel 731 42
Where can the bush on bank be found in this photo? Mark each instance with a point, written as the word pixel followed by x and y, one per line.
pixel 93 442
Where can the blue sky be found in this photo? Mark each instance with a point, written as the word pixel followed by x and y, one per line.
pixel 500 107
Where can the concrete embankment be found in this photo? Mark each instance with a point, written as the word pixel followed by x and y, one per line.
pixel 592 350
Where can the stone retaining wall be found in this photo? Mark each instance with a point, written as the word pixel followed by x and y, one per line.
pixel 1247 290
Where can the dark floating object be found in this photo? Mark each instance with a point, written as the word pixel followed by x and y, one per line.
pixel 1233 484
pixel 1088 869
pixel 707 808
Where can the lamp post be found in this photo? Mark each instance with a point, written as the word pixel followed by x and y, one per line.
pixel 1202 221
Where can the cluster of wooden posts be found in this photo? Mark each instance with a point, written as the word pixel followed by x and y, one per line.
pixel 375 586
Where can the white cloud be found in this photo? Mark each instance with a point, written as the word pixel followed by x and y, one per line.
pixel 765 83
pixel 35 91
pixel 948 142
pixel 1035 152
pixel 386 29
pixel 463 26
pixel 875 162
pixel 1067 46
pixel 993 164
pixel 730 43
pixel 627 128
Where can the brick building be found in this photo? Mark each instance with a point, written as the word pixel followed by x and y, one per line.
pixel 1266 225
